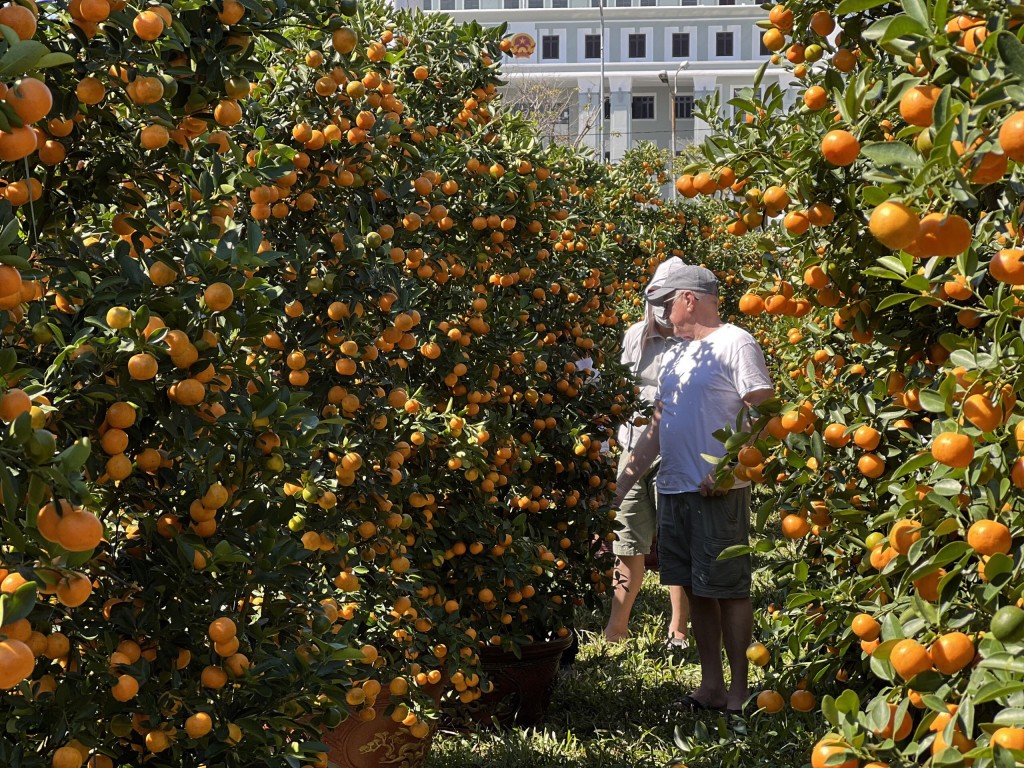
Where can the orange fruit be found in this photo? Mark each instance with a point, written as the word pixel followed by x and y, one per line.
pixel 79 530
pixel 67 757
pixel 30 98
pixel 982 412
pixel 1008 737
pixel 953 449
pixel 889 731
pixel 142 367
pixel 17 144
pixel 952 652
pixel 1011 136
pixel 871 465
pixel 198 725
pixel 14 403
pixel 917 105
pixel 16 662
pixel 989 537
pixel 840 147
pixel 909 658
pixel 770 701
pixel 795 526
pixel 20 19
pixel 815 98
pixel 218 296
pixel 222 629
pixel 866 627
pixel 125 688
pixel 835 435
pixel 758 654
pixel 941 235
pixel 867 437
pixel 894 225
pixel 802 701
pixel 1006 266
pixel 120 415
pixel 903 534
pixel 148 25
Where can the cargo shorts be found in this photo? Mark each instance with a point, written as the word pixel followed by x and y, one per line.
pixel 637 518
pixel 694 531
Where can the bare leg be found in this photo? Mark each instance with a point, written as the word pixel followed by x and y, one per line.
pixel 707 630
pixel 737 627
pixel 680 623
pixel 629 577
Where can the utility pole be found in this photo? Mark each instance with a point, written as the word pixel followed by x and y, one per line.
pixel 600 122
pixel 672 139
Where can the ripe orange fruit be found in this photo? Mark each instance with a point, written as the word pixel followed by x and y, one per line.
pixel 941 235
pixel 903 534
pixel 148 25
pixel 14 403
pixel 989 537
pixel 79 530
pixel 867 437
pixel 198 725
pixel 16 662
pixel 866 627
pixel 917 105
pixel 219 296
pixel 835 435
pixel 840 147
pixel 20 19
pixel 894 225
pixel 889 731
pixel 1011 136
pixel 142 367
pixel 1008 737
pixel 774 40
pixel 802 701
pixel 952 652
pixel 982 412
pixel 126 688
pixel 909 658
pixel 30 98
pixel 74 590
pixel 795 526
pixel 1006 266
pixel 227 113
pixel 222 629
pixel 815 98
pixel 120 415
pixel 871 465
pixel 67 757
pixel 770 701
pixel 953 449
pixel 16 144
pixel 758 654
pixel 90 91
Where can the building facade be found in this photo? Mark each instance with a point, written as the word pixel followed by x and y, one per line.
pixel 657 57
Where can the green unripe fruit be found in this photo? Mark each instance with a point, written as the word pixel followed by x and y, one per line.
pixel 813 52
pixel 1008 624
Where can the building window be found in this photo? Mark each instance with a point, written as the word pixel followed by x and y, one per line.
pixel 638 46
pixel 680 45
pixel 549 47
pixel 723 44
pixel 765 50
pixel 727 2
pixel 643 108
pixel 623 3
pixel 511 4
pixel 684 107
pixel 688 2
pixel 592 46
pixel 559 3
pixel 471 5
pixel 446 5
pixel 563 117
pixel 534 3
pixel 607 108
pixel 647 2
pixel 426 5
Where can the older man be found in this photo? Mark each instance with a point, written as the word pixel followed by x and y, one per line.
pixel 707 378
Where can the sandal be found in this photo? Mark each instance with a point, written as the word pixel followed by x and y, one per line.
pixel 677 643
pixel 689 704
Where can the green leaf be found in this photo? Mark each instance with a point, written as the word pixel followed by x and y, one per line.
pixel 74 457
pixel 913 464
pixel 933 401
pixel 894 153
pixel 737 550
pixel 54 59
pixel 22 57
pixel 19 604
pixel 856 6
pixel 1011 52
pixel 895 298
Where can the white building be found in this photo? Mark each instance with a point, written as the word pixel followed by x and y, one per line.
pixel 651 48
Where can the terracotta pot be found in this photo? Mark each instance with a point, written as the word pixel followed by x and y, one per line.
pixel 377 743
pixel 523 686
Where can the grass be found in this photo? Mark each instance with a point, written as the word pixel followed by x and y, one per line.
pixel 611 710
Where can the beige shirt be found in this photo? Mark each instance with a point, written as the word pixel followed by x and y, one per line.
pixel 642 351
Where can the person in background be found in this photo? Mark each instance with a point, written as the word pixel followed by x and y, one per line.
pixel 643 347
pixel 714 371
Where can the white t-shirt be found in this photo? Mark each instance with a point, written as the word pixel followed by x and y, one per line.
pixel 702 386
pixel 642 351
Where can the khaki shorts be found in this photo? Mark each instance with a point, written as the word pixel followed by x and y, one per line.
pixel 638 516
pixel 694 531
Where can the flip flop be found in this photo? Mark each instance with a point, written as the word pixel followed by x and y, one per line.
pixel 688 703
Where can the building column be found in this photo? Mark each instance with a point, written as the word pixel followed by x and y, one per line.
pixel 589 116
pixel 703 87
pixel 621 90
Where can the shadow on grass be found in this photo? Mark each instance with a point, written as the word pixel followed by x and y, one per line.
pixel 611 709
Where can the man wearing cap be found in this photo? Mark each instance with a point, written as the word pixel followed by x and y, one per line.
pixel 713 371
pixel 643 348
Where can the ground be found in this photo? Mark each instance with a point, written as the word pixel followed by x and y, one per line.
pixel 611 710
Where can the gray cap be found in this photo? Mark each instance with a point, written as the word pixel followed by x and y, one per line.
pixel 675 275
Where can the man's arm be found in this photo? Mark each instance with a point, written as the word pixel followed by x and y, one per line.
pixel 646 450
pixel 758 396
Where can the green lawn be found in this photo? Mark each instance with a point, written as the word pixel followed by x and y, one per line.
pixel 611 710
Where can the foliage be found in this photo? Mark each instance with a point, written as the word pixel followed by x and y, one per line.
pixel 889 199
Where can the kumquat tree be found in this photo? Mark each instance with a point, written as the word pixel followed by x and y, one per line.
pixel 890 296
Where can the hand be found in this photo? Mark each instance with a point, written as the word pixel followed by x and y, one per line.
pixel 708 486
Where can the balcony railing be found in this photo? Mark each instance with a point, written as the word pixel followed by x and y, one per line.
pixel 505 5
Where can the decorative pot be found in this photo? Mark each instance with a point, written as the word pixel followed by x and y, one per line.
pixel 380 742
pixel 523 685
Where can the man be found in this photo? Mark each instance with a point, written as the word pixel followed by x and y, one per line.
pixel 707 378
pixel 643 348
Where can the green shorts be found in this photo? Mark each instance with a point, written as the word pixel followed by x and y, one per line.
pixel 694 531
pixel 638 516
